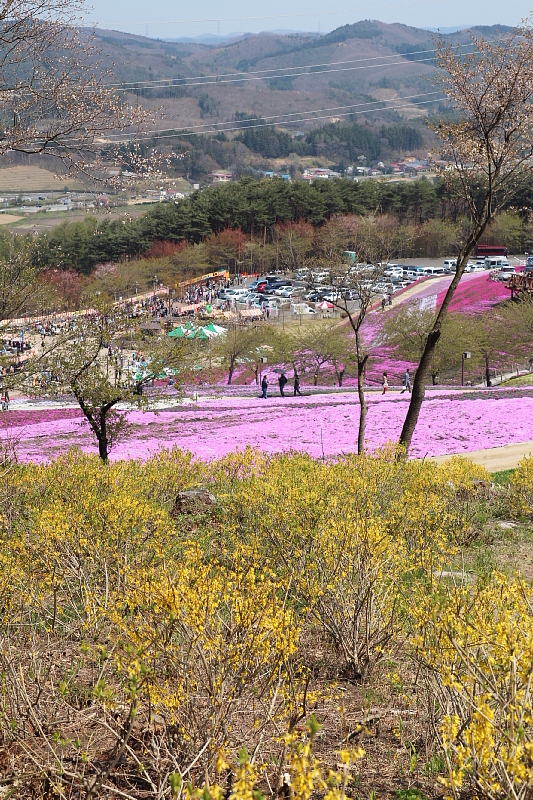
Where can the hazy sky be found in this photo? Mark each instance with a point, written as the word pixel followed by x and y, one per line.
pixel 166 19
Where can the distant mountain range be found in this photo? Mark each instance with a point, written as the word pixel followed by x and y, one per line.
pixel 371 73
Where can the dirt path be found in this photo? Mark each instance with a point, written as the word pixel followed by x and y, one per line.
pixel 495 459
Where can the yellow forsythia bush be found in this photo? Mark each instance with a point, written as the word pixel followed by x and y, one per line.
pixel 522 489
pixel 139 639
pixel 476 645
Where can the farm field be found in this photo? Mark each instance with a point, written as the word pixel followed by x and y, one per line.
pixel 34 179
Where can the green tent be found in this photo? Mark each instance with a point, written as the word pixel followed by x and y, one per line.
pixel 178 333
pixel 210 327
pixel 201 334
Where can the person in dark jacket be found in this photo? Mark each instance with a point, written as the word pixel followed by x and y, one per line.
pixel 297 386
pixel 282 380
pixel 264 386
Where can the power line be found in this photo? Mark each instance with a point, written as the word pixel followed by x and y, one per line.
pixel 271 120
pixel 259 75
pixel 178 135
pixel 272 77
pixel 164 82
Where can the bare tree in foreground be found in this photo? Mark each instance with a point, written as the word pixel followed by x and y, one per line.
pixel 489 152
pixel 358 285
pixel 88 362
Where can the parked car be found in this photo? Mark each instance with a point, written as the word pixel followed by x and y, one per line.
pixel 349 294
pixel 506 272
pixel 258 285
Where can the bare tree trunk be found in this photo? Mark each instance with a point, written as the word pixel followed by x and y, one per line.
pixel 487 370
pixel 422 372
pixel 231 369
pixel 102 439
pixel 361 364
pixel 363 410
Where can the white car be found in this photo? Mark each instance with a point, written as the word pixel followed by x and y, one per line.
pixel 301 308
pixel 506 272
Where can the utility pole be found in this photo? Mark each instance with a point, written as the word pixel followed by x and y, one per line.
pixel 465 355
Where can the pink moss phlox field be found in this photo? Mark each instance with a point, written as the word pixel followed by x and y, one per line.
pixel 476 293
pixel 450 422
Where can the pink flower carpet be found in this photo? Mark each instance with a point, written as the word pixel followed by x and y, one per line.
pixel 319 424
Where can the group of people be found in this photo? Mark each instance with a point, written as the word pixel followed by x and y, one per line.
pixel 406 382
pixel 386 298
pixel 282 382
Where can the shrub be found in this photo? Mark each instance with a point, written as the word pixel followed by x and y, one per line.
pixel 522 489
pixel 138 638
pixel 476 646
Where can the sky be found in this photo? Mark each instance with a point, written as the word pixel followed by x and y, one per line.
pixel 168 19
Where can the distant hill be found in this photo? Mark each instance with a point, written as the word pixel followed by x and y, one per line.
pixel 369 72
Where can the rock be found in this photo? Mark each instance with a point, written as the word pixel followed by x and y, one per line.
pixel 195 501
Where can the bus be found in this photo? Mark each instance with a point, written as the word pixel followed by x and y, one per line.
pixel 487 250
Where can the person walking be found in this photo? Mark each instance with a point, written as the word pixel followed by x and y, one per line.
pixel 390 298
pixel 384 383
pixel 282 380
pixel 383 302
pixel 406 382
pixel 297 386
pixel 264 386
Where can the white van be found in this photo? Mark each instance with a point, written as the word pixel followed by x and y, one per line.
pixel 496 262
pixel 434 271
pixel 450 264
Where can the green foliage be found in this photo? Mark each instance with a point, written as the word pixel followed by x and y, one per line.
pixel 336 140
pixel 402 137
pixel 246 204
pixel 503 477
pixel 409 794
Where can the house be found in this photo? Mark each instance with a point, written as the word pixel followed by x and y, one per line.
pixel 221 177
pixel 318 173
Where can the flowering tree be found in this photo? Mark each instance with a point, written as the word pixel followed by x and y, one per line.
pixel 83 363
pixel 489 152
pixel 53 98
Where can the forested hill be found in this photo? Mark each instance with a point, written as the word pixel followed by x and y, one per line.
pixel 339 141
pixel 251 206
pixel 297 78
